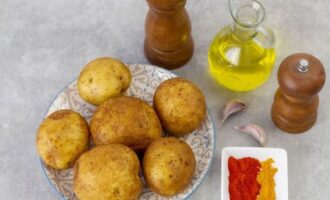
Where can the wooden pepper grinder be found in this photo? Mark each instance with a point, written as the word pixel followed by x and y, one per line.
pixel 300 76
pixel 168 40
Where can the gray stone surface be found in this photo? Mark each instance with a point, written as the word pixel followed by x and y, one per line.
pixel 44 45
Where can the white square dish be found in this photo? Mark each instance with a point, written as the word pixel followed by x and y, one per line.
pixel 280 162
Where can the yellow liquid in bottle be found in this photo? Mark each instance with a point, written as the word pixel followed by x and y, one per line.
pixel 239 65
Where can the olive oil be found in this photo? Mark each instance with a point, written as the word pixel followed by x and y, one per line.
pixel 242 55
pixel 237 64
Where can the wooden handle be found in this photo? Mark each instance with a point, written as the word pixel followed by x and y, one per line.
pixel 300 83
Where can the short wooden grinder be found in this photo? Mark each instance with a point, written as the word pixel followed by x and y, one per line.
pixel 300 76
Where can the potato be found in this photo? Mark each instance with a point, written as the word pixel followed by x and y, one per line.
pixel 169 165
pixel 107 172
pixel 61 138
pixel 125 120
pixel 102 79
pixel 180 106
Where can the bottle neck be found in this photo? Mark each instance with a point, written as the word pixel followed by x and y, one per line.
pixel 243 33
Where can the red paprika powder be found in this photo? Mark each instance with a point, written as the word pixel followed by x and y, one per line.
pixel 243 174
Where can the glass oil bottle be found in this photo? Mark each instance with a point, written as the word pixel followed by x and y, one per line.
pixel 242 55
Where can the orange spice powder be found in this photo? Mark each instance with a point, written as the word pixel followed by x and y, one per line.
pixel 266 180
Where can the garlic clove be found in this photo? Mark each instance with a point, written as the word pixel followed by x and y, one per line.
pixel 255 131
pixel 233 106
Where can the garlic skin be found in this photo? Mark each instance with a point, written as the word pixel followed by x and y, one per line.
pixel 233 106
pixel 256 131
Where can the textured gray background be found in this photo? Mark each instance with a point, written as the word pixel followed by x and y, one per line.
pixel 44 45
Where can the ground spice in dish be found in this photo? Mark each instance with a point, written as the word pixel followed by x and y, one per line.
pixel 243 174
pixel 266 180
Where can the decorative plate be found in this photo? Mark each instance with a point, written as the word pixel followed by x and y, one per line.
pixel 145 80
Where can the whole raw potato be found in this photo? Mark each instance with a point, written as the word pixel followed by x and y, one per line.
pixel 169 165
pixel 180 106
pixel 61 138
pixel 102 79
pixel 107 172
pixel 125 120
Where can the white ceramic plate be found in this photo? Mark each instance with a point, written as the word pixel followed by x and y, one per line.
pixel 280 162
pixel 145 80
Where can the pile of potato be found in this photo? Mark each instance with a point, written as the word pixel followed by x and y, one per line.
pixel 120 127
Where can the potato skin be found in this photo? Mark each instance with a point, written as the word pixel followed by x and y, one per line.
pixel 107 172
pixel 61 138
pixel 180 106
pixel 102 79
pixel 125 120
pixel 168 165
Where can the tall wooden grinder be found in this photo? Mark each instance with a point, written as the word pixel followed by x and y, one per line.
pixel 168 41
